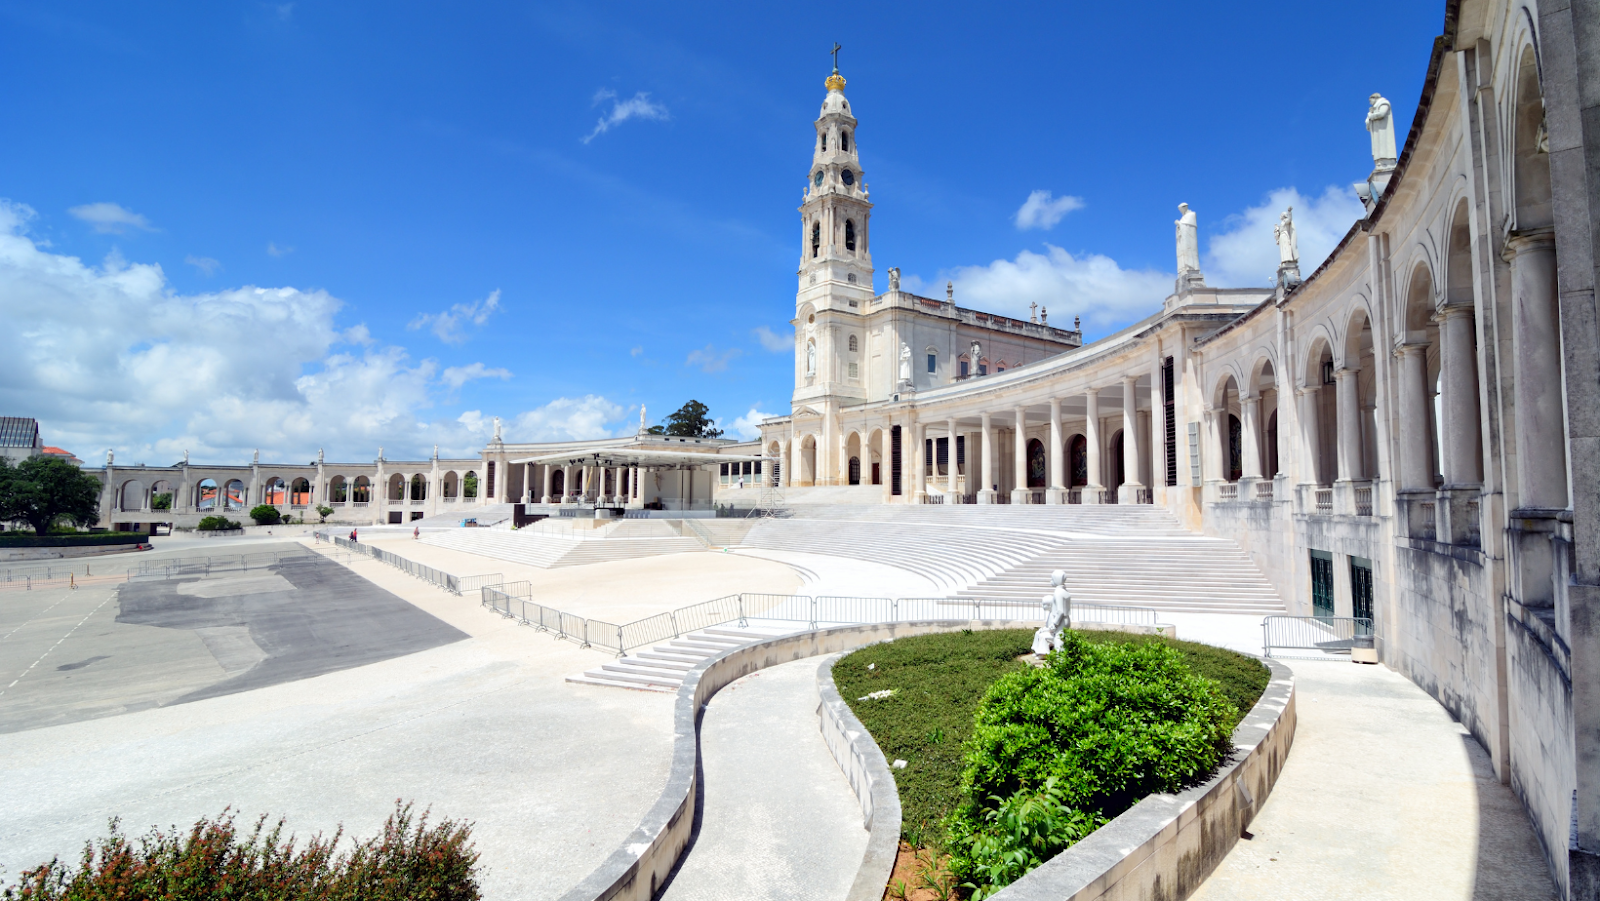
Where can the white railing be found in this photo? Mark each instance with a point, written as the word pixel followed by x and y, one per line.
pixel 1228 491
pixel 1363 496
pixel 438 577
pixel 1323 499
pixel 1264 491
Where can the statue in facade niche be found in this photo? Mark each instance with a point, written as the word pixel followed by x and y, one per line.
pixel 811 358
pixel 894 278
pixel 1380 122
pixel 976 353
pixel 1057 615
pixel 1283 233
pixel 905 362
pixel 1188 240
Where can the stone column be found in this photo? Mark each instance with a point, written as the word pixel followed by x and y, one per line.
pixel 1019 459
pixel 1158 431
pixel 1129 492
pixel 986 487
pixel 544 498
pixel 1349 424
pixel 1311 473
pixel 1536 337
pixel 568 489
pixel 1250 421
pixel 1057 493
pixel 920 433
pixel 1463 443
pixel 952 488
pixel 1416 467
pixel 1092 488
pixel 785 461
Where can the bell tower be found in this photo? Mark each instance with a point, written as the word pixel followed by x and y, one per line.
pixel 835 258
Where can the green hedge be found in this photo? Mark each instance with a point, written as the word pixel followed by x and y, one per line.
pixel 216 859
pixel 81 539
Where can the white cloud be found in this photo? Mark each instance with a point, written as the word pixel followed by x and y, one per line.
pixel 1041 211
pixel 1243 253
pixel 1088 285
pixel 636 351
pixel 709 360
pixel 111 218
pixel 447 325
pixel 773 341
pixel 456 376
pixel 206 265
pixel 277 251
pixel 638 106
pixel 111 356
pixel 748 426
pixel 566 419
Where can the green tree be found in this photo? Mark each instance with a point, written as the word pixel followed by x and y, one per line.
pixel 323 512
pixel 42 490
pixel 162 501
pixel 692 420
pixel 469 486
pixel 265 514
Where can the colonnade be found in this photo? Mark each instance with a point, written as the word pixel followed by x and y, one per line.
pixel 586 484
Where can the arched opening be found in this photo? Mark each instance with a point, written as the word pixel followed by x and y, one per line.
pixel 844 142
pixel 1077 461
pixel 361 492
pixel 852 453
pixel 131 498
pixel 1235 456
pixel 824 139
pixel 1458 343
pixel 161 495
pixel 300 492
pixel 233 496
pixel 1038 464
pixel 397 488
pixel 1362 367
pixel 874 454
pixel 855 470
pixel 558 482
pixel 338 491
pixel 854 345
pixel 206 495
pixel 275 492
pixel 1115 464
pixel 1230 431
pixel 1271 457
pixel 469 486
pixel 849 235
pixel 419 488
pixel 816 231
pixel 1321 416
pixel 1418 389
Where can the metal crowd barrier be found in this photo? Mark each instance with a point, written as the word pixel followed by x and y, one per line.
pixel 448 581
pixel 1328 634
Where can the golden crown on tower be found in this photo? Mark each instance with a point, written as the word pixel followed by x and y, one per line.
pixel 835 82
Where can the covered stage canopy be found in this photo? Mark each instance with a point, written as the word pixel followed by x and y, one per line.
pixel 644 459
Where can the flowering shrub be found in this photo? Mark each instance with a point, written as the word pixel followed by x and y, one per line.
pixel 216 860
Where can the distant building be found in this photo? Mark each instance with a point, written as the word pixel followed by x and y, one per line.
pixel 66 455
pixel 19 438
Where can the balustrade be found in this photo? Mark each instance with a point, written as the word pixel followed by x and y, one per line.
pixel 1145 496
pixel 1074 495
pixel 1363 498
pixel 1264 491
pixel 1323 500
pixel 1228 491
pixel 1036 497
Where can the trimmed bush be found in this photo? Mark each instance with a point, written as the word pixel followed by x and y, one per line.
pixel 217 524
pixel 216 859
pixel 265 514
pixel 1059 750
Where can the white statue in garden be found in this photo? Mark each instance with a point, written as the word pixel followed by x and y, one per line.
pixel 1057 616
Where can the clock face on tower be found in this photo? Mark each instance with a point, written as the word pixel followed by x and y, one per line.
pixel 848 177
pixel 818 178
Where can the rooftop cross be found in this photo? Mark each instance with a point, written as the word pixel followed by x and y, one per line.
pixel 836 49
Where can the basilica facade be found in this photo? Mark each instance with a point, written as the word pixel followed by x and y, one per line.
pixel 1410 433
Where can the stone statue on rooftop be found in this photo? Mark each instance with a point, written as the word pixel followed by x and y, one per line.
pixel 1188 240
pixel 1283 233
pixel 497 428
pixel 976 352
pixel 1044 316
pixel 950 292
pixel 1057 615
pixel 894 278
pixel 1380 122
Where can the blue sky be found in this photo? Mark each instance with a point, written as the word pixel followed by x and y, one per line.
pixel 303 225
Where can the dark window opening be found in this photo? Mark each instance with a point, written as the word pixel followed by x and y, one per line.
pixel 849 235
pixel 1078 461
pixel 965 366
pixel 1321 584
pixel 1361 593
pixel 1169 408
pixel 933 362
pixel 1037 464
pixel 894 460
pixel 844 141
pixel 1235 448
pixel 855 470
pixel 824 143
pixel 983 368
pixel 816 238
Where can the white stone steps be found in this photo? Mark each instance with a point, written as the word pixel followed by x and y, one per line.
pixel 662 667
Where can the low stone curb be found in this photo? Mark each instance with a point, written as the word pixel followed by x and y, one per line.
pixel 867 770
pixel 1166 845
pixel 636 870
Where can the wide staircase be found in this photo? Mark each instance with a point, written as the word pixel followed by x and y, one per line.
pixel 549 550
pixel 662 668
pixel 1137 556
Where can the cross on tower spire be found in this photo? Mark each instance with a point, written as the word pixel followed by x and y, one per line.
pixel 836 49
